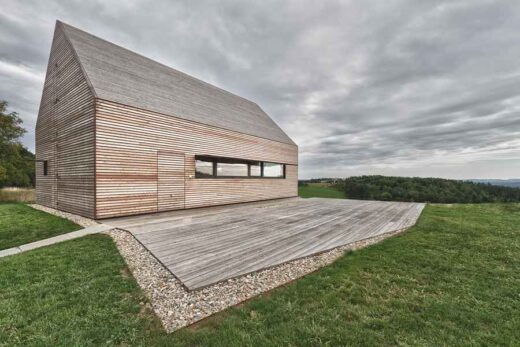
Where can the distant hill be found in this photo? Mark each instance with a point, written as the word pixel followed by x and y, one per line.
pixel 425 190
pixel 515 183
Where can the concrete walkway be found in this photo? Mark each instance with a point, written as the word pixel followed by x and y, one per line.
pixel 56 239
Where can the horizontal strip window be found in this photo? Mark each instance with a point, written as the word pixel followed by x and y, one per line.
pixel 217 167
pixel 232 169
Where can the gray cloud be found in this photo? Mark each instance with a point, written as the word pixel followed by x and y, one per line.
pixel 429 88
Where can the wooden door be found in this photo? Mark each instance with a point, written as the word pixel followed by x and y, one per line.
pixel 170 181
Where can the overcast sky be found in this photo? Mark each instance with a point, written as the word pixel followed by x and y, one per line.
pixel 411 88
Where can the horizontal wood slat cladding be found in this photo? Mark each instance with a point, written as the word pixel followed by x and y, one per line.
pixel 65 134
pixel 170 181
pixel 127 142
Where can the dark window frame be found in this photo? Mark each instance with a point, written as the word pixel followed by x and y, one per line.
pixel 214 160
pixel 45 167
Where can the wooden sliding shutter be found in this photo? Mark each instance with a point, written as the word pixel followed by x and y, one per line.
pixel 170 181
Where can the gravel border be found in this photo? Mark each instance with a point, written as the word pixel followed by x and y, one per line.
pixel 177 307
pixel 83 221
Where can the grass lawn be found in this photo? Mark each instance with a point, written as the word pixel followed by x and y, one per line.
pixel 452 279
pixel 21 224
pixel 317 190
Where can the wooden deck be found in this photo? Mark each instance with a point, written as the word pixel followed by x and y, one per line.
pixel 204 246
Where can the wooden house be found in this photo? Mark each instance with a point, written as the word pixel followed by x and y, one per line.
pixel 120 134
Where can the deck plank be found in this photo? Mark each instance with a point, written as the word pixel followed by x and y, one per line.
pixel 206 246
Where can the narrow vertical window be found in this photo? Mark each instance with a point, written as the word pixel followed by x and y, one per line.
pixel 45 167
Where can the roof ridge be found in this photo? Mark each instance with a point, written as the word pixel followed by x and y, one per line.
pixel 185 75
pixel 121 75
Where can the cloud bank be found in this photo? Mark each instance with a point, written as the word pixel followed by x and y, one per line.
pixel 427 88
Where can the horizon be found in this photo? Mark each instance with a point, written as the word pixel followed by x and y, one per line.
pixel 465 179
pixel 396 89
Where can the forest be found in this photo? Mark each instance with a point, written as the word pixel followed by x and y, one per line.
pixel 416 189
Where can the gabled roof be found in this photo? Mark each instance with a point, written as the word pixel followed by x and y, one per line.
pixel 119 75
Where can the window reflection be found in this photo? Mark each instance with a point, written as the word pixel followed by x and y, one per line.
pixel 273 170
pixel 232 169
pixel 203 168
pixel 256 170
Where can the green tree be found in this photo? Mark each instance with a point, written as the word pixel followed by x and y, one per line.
pixel 10 125
pixel 16 161
pixel 436 190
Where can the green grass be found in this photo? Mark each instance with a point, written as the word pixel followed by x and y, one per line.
pixel 452 279
pixel 76 293
pixel 312 190
pixel 21 224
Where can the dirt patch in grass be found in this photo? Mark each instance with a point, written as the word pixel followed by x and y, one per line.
pixel 125 272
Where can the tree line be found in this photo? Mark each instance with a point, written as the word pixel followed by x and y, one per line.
pixel 416 189
pixel 16 161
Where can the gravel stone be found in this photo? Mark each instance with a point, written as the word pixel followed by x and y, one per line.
pixel 83 221
pixel 177 307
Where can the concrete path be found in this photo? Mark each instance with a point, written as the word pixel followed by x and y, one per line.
pixel 56 239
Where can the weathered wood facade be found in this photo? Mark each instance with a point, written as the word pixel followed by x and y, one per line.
pixel 143 156
pixel 110 154
pixel 65 134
